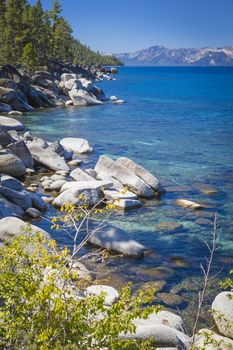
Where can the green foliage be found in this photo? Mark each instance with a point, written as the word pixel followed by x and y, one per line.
pixel 228 282
pixel 39 309
pixel 45 35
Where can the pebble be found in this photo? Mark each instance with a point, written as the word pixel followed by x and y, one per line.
pixel 33 212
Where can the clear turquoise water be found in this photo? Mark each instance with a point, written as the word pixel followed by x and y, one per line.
pixel 178 123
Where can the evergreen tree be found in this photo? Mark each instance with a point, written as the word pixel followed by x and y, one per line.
pixel 3 44
pixel 29 58
pixel 32 37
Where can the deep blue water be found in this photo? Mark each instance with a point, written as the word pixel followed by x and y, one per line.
pixel 178 123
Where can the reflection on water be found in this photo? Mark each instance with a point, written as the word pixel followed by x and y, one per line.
pixel 178 123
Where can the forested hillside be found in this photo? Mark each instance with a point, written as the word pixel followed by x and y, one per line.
pixel 31 37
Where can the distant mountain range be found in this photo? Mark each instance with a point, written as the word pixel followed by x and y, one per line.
pixel 162 56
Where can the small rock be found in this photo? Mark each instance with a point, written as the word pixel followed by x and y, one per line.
pixel 69 103
pixel 189 204
pixel 169 226
pixel 28 136
pixel 113 98
pixel 33 213
pixel 74 162
pixel 126 204
pixel 170 298
pixel 57 185
pixel 119 101
pixel 47 200
pixel 56 177
pixel 15 113
pixel 46 183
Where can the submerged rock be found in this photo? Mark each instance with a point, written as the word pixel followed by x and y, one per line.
pixel 115 239
pixel 169 226
pixel 189 204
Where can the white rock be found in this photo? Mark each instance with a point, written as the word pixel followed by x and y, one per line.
pixel 144 174
pixel 114 194
pixel 11 226
pixel 11 124
pixel 124 175
pixel 222 308
pixel 48 159
pixel 161 335
pixel 83 185
pixel 111 293
pixel 115 239
pixel 113 98
pixel 188 204
pixel 80 175
pixel 57 185
pixel 127 204
pixel 163 317
pixel 77 145
pixel 83 98
pixel 208 340
pixel 119 102
pixel 74 162
pixel 77 197
pixel 15 113
pixel 69 103
pixel 10 164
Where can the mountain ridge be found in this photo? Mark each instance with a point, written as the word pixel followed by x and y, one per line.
pixel 159 55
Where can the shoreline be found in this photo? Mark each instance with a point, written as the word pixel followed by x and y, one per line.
pixel 40 143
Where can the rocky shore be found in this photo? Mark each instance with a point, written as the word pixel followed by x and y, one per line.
pixel 26 193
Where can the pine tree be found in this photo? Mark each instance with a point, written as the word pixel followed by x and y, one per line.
pixel 3 44
pixel 29 58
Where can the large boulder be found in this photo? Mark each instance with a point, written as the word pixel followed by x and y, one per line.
pixel 22 198
pixel 115 239
pixel 11 182
pixel 77 145
pixel 78 197
pixel 83 185
pixel 125 176
pixel 9 123
pixel 11 226
pixel 21 150
pixel 35 96
pixel 16 99
pixel 7 208
pixel 206 339
pixel 80 175
pixel 59 149
pixel 161 336
pixel 163 317
pixel 83 98
pixel 47 158
pixel 145 175
pixel 10 164
pixel 222 308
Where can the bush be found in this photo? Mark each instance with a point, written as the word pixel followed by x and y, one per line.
pixel 41 307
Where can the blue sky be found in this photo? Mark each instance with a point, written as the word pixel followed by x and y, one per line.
pixel 129 25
